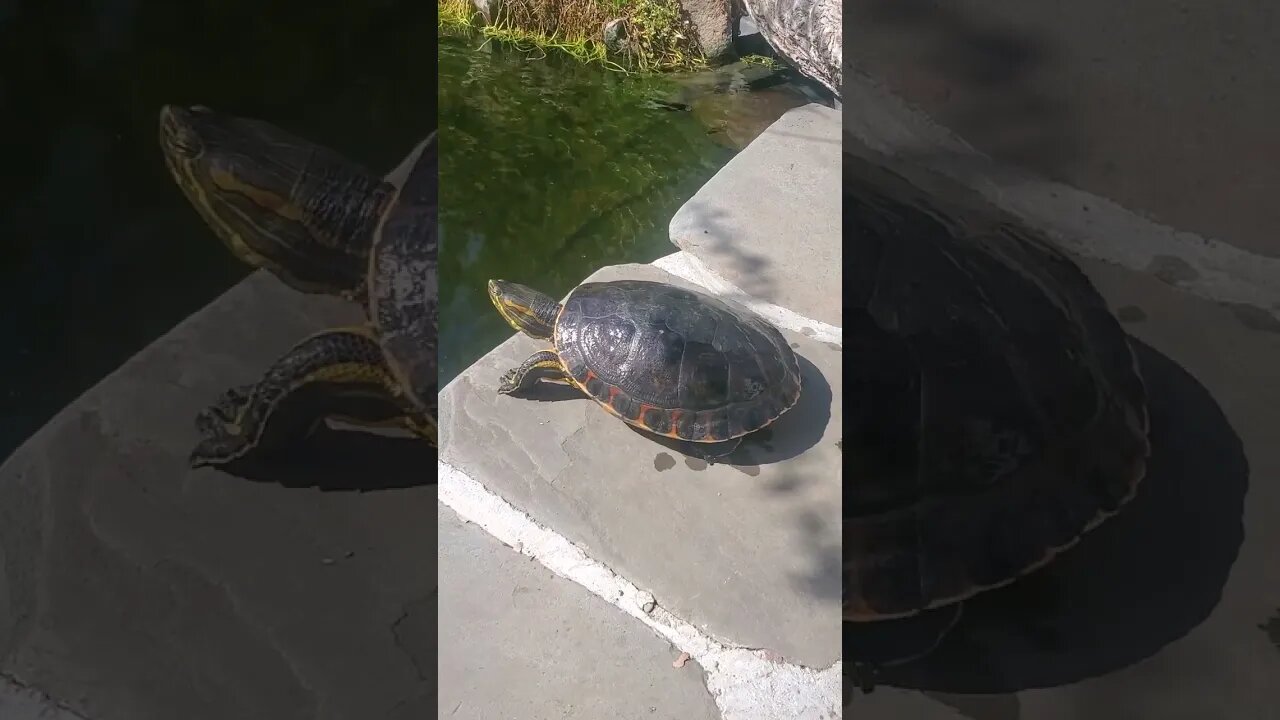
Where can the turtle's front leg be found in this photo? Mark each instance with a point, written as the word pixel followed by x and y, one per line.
pixel 339 373
pixel 544 365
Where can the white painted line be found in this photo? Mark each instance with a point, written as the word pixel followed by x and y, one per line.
pixel 686 266
pixel 745 684
pixel 1082 223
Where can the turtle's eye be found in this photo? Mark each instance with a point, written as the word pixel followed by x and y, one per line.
pixel 187 143
pixel 178 133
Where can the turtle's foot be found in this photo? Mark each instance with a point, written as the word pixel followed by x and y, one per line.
pixel 543 365
pixel 712 453
pixel 222 443
pixel 225 412
pixel 509 382
pixel 226 409
pixel 224 437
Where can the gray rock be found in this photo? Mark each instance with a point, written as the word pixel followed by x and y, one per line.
pixel 713 21
pixel 488 9
pixel 615 36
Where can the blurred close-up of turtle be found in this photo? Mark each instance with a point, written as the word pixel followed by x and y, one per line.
pixel 998 412
pixel 671 361
pixel 321 224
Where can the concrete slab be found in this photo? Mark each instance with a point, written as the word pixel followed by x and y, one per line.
pixel 132 588
pixel 521 642
pixel 769 220
pixel 749 553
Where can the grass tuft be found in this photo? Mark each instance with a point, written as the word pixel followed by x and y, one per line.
pixel 762 61
pixel 658 36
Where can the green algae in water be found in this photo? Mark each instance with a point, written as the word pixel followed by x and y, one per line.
pixel 549 170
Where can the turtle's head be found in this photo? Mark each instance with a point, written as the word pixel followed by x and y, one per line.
pixel 274 199
pixel 524 308
pixel 223 162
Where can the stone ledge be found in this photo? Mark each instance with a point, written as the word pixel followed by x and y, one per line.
pixel 769 220
pixel 750 554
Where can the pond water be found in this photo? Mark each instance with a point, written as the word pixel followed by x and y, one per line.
pixel 99 252
pixel 551 169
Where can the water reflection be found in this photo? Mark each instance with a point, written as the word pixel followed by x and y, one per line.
pixel 551 169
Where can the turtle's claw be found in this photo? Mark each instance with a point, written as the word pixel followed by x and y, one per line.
pixel 507 384
pixel 216 450
pixel 223 438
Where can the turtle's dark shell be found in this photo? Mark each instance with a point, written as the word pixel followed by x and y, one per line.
pixel 403 280
pixel 676 362
pixel 996 409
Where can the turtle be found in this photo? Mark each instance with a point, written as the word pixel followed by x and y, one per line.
pixel 999 409
pixel 666 359
pixel 302 211
pixel 321 224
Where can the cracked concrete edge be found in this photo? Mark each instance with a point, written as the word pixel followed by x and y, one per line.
pixel 686 266
pixel 1085 224
pixel 398 639
pixel 746 684
pixel 19 701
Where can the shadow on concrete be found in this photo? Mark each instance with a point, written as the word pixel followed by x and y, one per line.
pixel 343 460
pixel 799 429
pixel 976 76
pixel 749 269
pixel 1138 582
pixel 824 577
pixel 546 391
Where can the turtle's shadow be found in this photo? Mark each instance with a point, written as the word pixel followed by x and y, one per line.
pixel 799 429
pixel 343 460
pixel 547 391
pixel 1141 580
